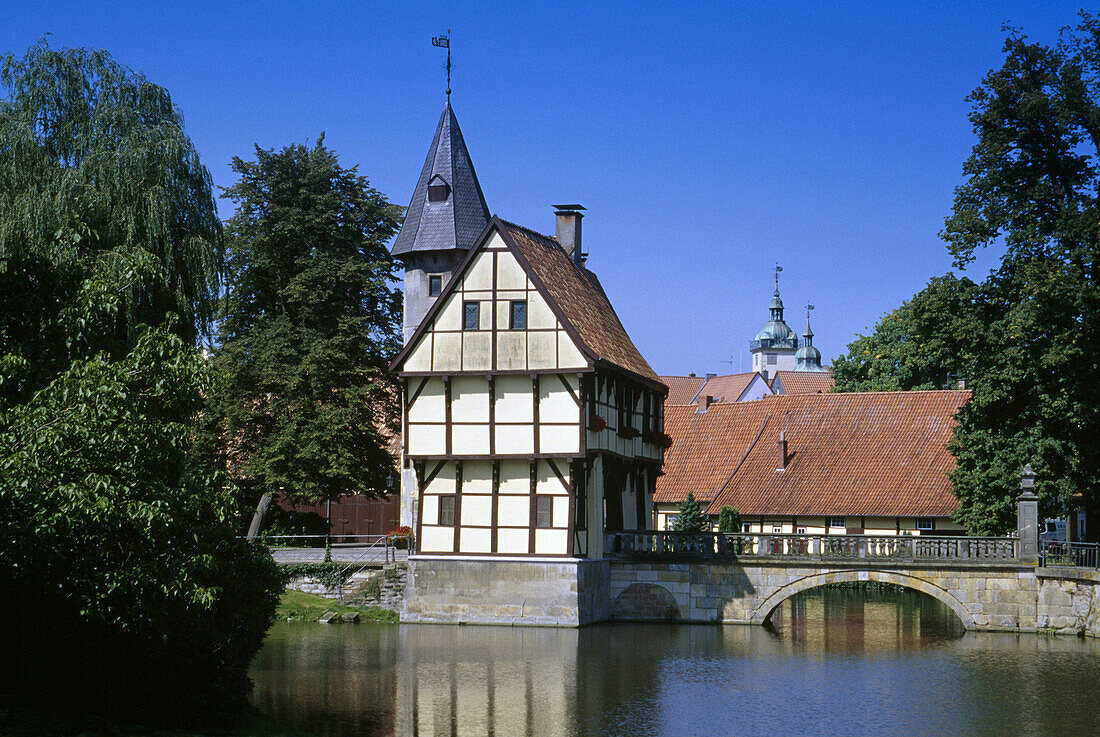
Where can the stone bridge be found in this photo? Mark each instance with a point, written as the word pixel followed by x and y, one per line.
pixel 715 577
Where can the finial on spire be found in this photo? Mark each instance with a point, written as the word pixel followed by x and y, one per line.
pixel 809 308
pixel 778 269
pixel 444 42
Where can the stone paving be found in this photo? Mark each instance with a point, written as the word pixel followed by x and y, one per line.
pixel 372 556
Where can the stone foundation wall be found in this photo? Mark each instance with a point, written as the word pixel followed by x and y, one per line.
pixel 383 587
pixel 1069 601
pixel 541 592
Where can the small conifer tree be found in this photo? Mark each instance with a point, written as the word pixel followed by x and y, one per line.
pixel 690 517
pixel 729 520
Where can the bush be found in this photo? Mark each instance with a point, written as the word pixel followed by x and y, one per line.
pixel 401 537
pixel 127 593
pixel 729 520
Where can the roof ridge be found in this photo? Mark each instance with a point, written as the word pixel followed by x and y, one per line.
pixel 529 231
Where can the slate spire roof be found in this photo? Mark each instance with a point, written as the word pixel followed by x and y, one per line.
pixel 456 221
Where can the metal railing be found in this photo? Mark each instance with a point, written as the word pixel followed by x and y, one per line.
pixel 1063 553
pixel 663 545
pixel 318 541
pixel 361 549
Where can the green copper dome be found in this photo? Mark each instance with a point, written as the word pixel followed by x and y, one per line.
pixel 776 331
pixel 808 358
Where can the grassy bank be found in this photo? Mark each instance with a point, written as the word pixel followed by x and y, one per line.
pixel 302 607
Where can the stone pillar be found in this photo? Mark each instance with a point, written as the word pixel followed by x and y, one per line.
pixel 1027 516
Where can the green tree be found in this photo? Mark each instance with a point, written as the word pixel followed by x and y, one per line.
pixel 1032 189
pixel 305 403
pixel 690 517
pixel 127 594
pixel 94 167
pixel 1028 337
pixel 929 342
pixel 729 520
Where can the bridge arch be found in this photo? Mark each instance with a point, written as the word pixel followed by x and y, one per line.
pixel 824 579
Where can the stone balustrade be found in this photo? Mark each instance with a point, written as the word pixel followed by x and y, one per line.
pixel 694 546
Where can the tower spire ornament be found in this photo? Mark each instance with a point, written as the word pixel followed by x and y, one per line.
pixel 778 269
pixel 444 42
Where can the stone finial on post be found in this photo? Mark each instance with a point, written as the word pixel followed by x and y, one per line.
pixel 1027 516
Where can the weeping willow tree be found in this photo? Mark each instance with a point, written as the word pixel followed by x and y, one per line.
pixel 127 594
pixel 96 175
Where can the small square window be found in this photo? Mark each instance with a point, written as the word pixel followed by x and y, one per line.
pixel 544 510
pixel 746 527
pixel 447 510
pixel 801 531
pixel 836 522
pixel 435 285
pixel 924 523
pixel 772 359
pixel 471 315
pixel 517 320
pixel 777 529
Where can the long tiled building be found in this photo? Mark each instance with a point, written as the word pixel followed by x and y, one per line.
pixel 859 463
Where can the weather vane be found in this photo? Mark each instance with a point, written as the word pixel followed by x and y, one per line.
pixel 778 268
pixel 444 42
pixel 809 308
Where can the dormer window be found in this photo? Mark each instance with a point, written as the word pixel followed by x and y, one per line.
pixel 438 189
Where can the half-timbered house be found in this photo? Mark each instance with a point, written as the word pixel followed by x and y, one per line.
pixel 531 423
pixel 531 420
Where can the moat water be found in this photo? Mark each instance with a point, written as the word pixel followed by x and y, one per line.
pixel 834 661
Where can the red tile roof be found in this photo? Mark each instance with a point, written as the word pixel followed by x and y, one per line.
pixel 682 389
pixel 804 382
pixel 579 296
pixel 871 454
pixel 728 388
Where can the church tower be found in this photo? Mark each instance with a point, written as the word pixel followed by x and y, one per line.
pixel 773 349
pixel 446 215
pixel 808 358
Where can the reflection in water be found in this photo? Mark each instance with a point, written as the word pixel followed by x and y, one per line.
pixel 834 662
pixel 836 619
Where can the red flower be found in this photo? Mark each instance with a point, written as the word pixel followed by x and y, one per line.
pixel 597 424
pixel 660 439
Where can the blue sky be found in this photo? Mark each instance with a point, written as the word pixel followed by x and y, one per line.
pixel 707 140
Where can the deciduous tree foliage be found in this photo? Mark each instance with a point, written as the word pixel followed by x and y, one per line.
pixel 127 595
pixel 930 342
pixel 311 320
pixel 1028 336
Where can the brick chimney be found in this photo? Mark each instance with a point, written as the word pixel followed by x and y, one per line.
pixel 703 402
pixel 569 231
pixel 783 457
